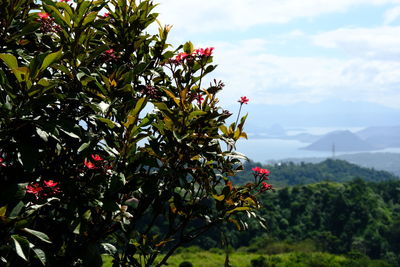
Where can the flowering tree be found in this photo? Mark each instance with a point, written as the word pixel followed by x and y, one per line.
pixel 104 132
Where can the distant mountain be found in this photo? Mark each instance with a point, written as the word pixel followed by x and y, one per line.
pixel 381 137
pixel 284 174
pixel 323 114
pixel 341 141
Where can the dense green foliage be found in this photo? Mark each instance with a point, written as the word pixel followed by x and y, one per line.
pixel 306 173
pixel 105 130
pixel 357 216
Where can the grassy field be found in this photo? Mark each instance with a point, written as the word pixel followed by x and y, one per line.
pixel 237 259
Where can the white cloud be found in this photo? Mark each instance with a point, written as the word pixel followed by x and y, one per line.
pixel 265 78
pixel 370 72
pixel 218 15
pixel 376 43
pixel 391 15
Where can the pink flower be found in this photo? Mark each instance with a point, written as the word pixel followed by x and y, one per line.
pixel 243 100
pixel 107 14
pixel 96 157
pixel 65 1
pixel 43 15
pixel 50 183
pixel 89 164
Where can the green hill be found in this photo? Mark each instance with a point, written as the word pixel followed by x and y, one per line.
pixel 355 217
pixel 284 174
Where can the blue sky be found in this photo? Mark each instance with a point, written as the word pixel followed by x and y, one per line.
pixel 290 51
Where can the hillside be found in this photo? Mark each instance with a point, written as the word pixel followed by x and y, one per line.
pixel 381 137
pixel 305 173
pixel 342 141
pixel 383 161
pixel 355 217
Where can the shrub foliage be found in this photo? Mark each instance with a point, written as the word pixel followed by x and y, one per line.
pixel 106 130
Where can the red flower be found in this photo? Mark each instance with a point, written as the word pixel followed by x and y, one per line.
pixel 89 164
pixel 43 15
pixel 2 162
pixel 181 56
pixel 263 173
pixel 204 52
pixel 110 51
pixel 65 1
pixel 243 100
pixel 50 183
pixel 96 157
pixel 265 187
pixel 208 51
pixel 34 189
pixel 106 14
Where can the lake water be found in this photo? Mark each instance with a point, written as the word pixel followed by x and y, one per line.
pixel 262 150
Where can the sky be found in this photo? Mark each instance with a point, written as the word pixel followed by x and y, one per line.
pixel 284 52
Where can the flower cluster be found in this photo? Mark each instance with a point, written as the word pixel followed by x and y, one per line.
pixel 110 55
pixel 98 163
pixel 262 174
pixel 201 52
pixel 206 52
pixel 150 91
pixel 243 100
pixel 47 23
pixel 48 188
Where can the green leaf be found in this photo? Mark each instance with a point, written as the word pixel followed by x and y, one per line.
pixel 71 134
pixel 3 211
pixel 224 130
pixel 89 18
pixel 188 47
pixel 86 216
pixel 16 210
pixel 83 147
pixel 59 18
pixel 21 246
pixel 44 135
pixel 12 64
pixel 239 209
pixel 44 82
pixel 196 113
pixel 10 60
pixel 219 197
pixel 109 248
pixel 50 59
pixel 134 113
pixel 42 236
pixel 111 124
pixel 40 254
